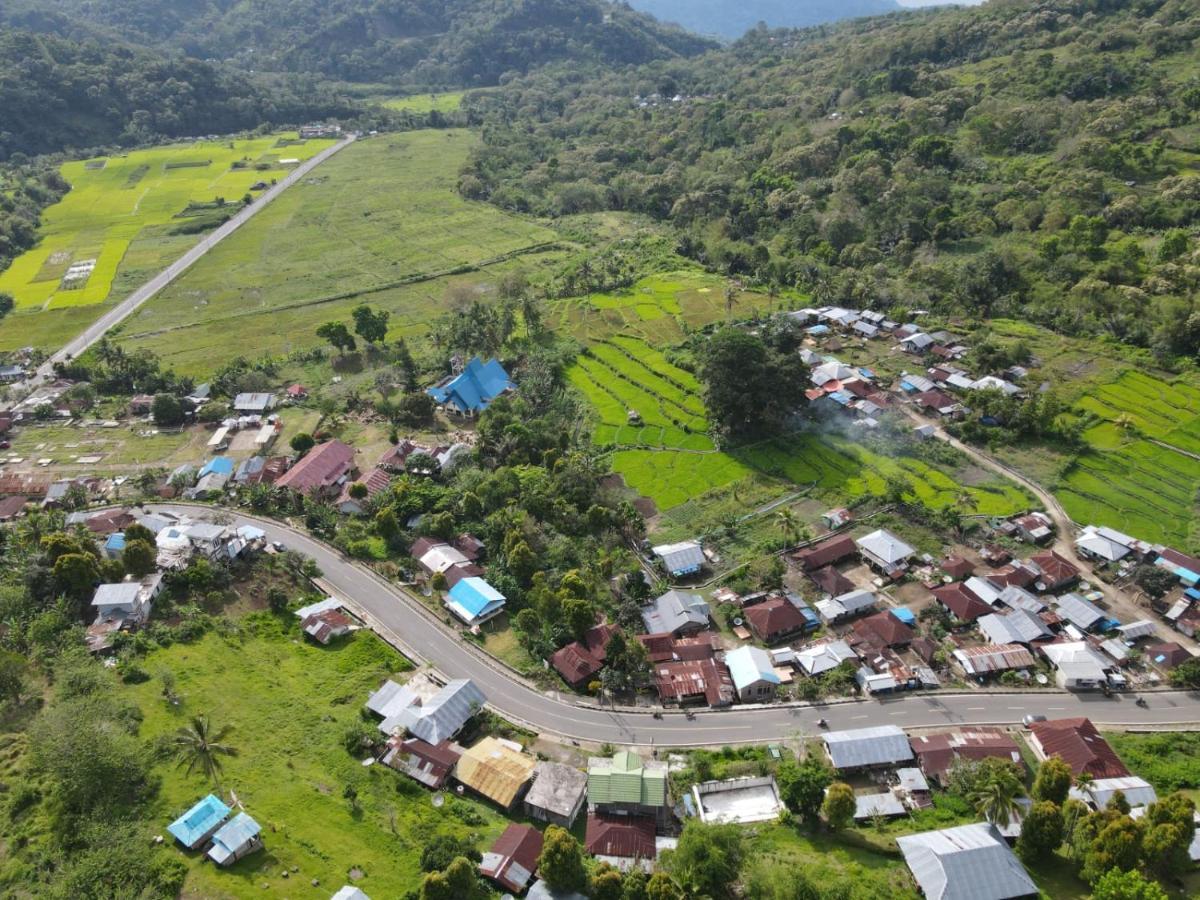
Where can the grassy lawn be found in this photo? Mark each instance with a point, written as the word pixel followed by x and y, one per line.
pixel 382 217
pixel 120 213
pixel 294 701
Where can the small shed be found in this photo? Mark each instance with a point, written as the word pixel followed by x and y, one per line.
pixel 238 837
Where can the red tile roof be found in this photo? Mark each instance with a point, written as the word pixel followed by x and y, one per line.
pixel 1021 576
pixel 1081 747
pixel 831 581
pixel 375 480
pixel 109 521
pixel 774 618
pixel 423 545
pixel 884 628
pixel 625 836
pixel 1055 570
pixel 965 606
pixel 957 567
pixel 459 571
pixel 678 681
pixel 322 468
pixel 933 400
pixel 826 553
pixel 514 857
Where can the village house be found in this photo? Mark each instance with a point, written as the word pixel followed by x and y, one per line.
pixel 824 657
pixel 474 601
pixel 253 404
pixel 938 754
pixel 580 661
pixel 885 552
pixel 437 719
pixel 678 560
pixel 1081 613
pixel 472 391
pixel 430 764
pixel 321 472
pixel 374 481
pixel 1054 572
pixel 831 582
pixel 1079 666
pixel 237 838
pixel 621 841
pixel 867 748
pixel 883 629
pixel 754 677
pixel 625 785
pixel 684 682
pixel 1098 792
pixel 993 659
pixel 678 613
pixel 557 794
pixel 511 861
pixel 957 599
pixel 1017 626
pixel 1077 742
pixel 1167 655
pixel 497 770
pixel 777 620
pixel 1034 528
pixel 667 647
pixel 826 553
pixel 126 604
pixel 327 626
pixel 12 508
pixel 969 862
pixel 440 558
pixel 845 606
pixel 200 823
pixel 957 568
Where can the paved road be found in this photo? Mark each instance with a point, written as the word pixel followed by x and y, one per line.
pixel 123 309
pixel 412 626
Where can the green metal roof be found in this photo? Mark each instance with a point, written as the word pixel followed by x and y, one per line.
pixel 624 779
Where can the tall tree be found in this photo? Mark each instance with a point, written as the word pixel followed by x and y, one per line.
pixel 369 324
pixel 561 862
pixel 748 388
pixel 139 558
pixel 1132 885
pixel 707 860
pixel 338 335
pixel 802 786
pixel 839 805
pixel 199 746
pixel 996 801
pixel 1053 781
pixel 1041 831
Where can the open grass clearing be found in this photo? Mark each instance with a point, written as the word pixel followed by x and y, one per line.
pixel 107 211
pixel 444 102
pixel 122 449
pixel 294 701
pixel 375 224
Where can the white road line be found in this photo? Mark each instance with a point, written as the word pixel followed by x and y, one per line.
pixel 859 717
pixel 976 708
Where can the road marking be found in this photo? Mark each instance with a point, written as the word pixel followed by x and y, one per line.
pixel 900 713
pixel 1055 708
pixel 976 708
pixel 1017 708
pixel 858 717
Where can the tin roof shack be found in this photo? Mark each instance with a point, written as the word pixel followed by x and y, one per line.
pixel 625 785
pixel 237 838
pixel 739 800
pixel 253 404
pixel 825 656
pixel 691 681
pixel 1098 792
pixel 991 660
pixel 1079 745
pixel 430 764
pixel 846 606
pixel 327 626
pixel 496 769
pixel 557 795
pixel 511 861
pixel 867 748
pixel 970 862
pixel 1078 666
pixel 1034 528
pixel 884 803
pixel 200 822
pixel 440 717
pixel 1054 572
pixel 684 558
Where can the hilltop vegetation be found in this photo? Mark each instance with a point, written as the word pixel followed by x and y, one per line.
pixel 1030 160
pixel 451 43
pixel 59 93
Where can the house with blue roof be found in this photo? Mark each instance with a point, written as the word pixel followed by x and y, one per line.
pixel 754 676
pixel 114 545
pixel 238 837
pixel 218 465
pixel 200 822
pixel 472 390
pixel 474 600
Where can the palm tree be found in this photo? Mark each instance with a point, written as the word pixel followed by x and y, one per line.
pixel 789 525
pixel 996 802
pixel 199 746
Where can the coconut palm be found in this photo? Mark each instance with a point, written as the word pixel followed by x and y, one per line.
pixel 996 801
pixel 198 746
pixel 789 525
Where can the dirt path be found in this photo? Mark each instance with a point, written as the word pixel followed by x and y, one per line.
pixel 1065 527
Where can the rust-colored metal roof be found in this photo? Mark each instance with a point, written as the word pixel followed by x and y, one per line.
pixel 495 770
pixel 965 606
pixel 1081 747
pixel 626 836
pixel 773 617
pixel 826 552
pixel 884 628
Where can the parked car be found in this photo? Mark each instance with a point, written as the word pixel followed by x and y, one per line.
pixel 1031 718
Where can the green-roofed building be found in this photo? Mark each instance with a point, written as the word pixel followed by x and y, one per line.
pixel 627 785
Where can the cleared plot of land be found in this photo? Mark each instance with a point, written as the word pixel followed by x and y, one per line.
pixel 129 206
pixel 378 222
pixel 122 449
pixel 294 702
pixel 447 101
pixel 659 308
pixel 667 455
pixel 1127 481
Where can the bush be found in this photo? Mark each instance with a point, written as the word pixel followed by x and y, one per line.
pixel 360 737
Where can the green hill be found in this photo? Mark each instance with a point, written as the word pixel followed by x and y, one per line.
pixel 450 43
pixel 1038 161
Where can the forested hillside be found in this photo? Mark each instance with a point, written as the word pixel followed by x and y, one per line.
pixel 58 94
pixel 1036 160
pixel 733 18
pixel 450 43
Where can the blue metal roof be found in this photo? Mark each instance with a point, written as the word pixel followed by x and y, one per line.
pixel 199 822
pixel 750 664
pixel 1192 593
pixel 817 329
pixel 475 388
pixel 475 595
pixel 221 465
pixel 115 542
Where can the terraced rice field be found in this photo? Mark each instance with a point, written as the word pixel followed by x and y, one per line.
pixel 125 206
pixel 660 309
pixel 669 457
pixel 1127 481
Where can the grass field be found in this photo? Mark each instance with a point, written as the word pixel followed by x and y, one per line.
pixel 120 212
pixel 1127 481
pixel 659 308
pixel 670 458
pixel 447 101
pixel 382 216
pixel 294 702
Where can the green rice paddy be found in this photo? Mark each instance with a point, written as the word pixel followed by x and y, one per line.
pixel 121 205
pixel 1127 481
pixel 667 455
pixel 381 222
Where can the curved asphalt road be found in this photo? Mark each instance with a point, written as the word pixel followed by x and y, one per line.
pixel 127 306
pixel 408 623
